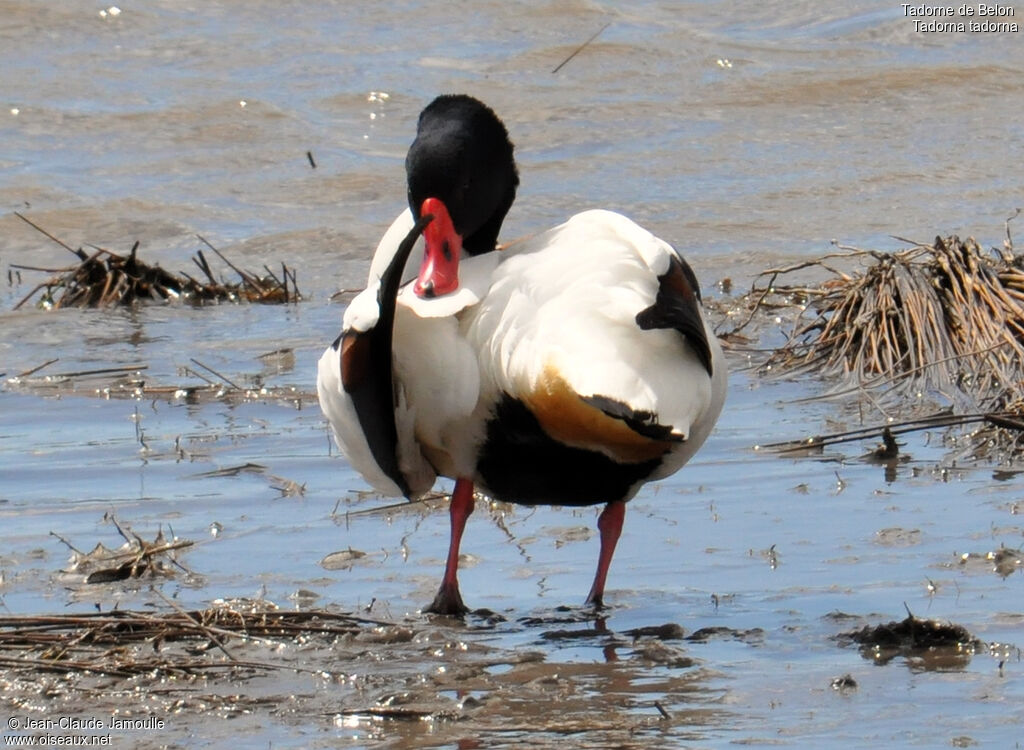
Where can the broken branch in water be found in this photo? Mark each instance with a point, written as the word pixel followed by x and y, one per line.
pixel 941 420
pixel 211 370
pixel 37 368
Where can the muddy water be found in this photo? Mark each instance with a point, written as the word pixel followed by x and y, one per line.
pixel 749 137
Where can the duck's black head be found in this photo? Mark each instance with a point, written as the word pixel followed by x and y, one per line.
pixel 461 169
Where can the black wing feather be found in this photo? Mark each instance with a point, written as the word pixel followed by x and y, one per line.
pixel 366 366
pixel 677 305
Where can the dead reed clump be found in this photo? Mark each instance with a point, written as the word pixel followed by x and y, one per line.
pixel 124 643
pixel 137 558
pixel 107 279
pixel 928 336
pixel 942 317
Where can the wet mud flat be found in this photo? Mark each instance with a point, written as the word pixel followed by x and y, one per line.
pixel 329 677
pixel 193 552
pixel 316 678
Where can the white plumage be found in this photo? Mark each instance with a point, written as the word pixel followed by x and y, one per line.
pixel 565 300
pixel 568 368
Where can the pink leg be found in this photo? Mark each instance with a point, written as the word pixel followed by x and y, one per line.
pixel 448 600
pixel 610 525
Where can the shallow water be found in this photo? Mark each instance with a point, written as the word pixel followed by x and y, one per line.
pixel 748 137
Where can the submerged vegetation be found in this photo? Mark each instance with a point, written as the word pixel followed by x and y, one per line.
pixel 928 644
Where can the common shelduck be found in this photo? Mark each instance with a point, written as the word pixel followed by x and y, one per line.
pixel 568 368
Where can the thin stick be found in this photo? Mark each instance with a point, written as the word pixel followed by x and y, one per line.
pixel 38 269
pixel 210 369
pixel 42 231
pixel 248 278
pixel 200 260
pixel 195 622
pixel 429 497
pixel 579 49
pixel 146 549
pixel 121 531
pixel 101 371
pixel 38 368
pixel 103 251
pixel 914 425
pixel 68 544
pixel 30 295
pixel 200 376
pixel 1008 243
pixel 757 305
pixel 272 274
pixel 296 295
